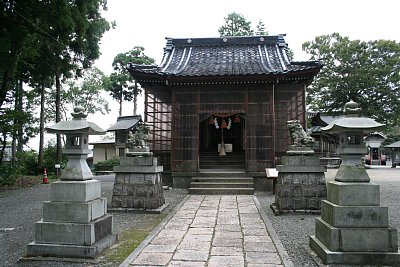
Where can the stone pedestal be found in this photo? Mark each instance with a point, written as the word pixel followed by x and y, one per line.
pixel 138 184
pixel 300 184
pixel 75 222
pixel 353 227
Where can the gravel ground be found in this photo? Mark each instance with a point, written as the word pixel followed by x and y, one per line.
pixel 20 209
pixel 294 229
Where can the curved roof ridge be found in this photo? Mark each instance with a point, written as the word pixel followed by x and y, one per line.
pixel 278 52
pixel 168 62
pixel 270 65
pixel 185 57
pixel 262 58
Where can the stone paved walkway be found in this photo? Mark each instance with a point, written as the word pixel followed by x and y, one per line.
pixel 213 231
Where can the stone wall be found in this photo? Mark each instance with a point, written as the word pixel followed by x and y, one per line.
pixel 301 184
pixel 138 184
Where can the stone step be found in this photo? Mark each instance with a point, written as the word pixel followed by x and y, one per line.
pixel 222 173
pixel 217 166
pixel 220 185
pixel 225 158
pixel 221 191
pixel 226 180
pixel 232 161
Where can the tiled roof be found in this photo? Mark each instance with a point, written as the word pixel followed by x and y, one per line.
pixel 226 56
pixel 394 145
pixel 125 123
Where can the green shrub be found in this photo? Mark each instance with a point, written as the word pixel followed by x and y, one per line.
pixel 49 158
pixel 7 175
pixel 27 163
pixel 106 165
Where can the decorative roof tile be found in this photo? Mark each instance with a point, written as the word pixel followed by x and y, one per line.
pixel 225 56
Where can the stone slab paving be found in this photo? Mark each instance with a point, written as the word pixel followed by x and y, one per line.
pixel 213 231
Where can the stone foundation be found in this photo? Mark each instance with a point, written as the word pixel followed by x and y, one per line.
pixel 138 184
pixel 300 184
pixel 354 228
pixel 75 222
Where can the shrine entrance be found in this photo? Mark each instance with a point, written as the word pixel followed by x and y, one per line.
pixel 222 143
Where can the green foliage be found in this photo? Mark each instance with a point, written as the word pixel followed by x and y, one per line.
pixel 366 72
pixel 49 158
pixel 27 163
pixel 120 83
pixel 261 28
pixel 43 42
pixel 106 165
pixel 7 175
pixel 392 135
pixel 88 93
pixel 236 25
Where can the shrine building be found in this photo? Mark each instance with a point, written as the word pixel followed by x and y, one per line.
pixel 235 92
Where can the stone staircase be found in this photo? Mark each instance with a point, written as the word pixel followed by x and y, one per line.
pixel 221 182
pixel 232 161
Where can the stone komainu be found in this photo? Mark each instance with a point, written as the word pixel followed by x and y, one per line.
pixel 299 137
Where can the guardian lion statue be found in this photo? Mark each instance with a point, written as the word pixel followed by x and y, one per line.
pixel 299 137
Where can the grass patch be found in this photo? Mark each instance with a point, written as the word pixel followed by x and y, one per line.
pixel 129 240
pixel 24 181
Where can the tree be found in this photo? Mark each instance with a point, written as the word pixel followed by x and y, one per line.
pixel 121 85
pixel 62 40
pixel 366 72
pixel 261 28
pixel 236 25
pixel 87 94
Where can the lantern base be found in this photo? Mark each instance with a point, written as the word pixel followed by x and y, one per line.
pixel 354 258
pixel 70 251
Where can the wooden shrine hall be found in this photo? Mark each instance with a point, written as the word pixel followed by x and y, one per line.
pixel 230 93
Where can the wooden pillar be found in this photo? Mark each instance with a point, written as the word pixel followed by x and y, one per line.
pixel 273 124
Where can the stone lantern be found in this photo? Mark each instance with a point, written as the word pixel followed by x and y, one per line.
pixel 75 221
pixel 77 132
pixel 353 227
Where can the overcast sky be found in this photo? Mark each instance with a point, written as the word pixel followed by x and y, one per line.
pixel 147 23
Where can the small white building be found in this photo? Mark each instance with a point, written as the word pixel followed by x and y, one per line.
pixel 109 149
pixel 103 150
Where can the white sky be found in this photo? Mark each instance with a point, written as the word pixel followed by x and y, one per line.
pixel 147 23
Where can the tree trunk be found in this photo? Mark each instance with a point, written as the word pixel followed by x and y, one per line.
pixel 3 147
pixel 135 95
pixel 20 130
pixel 15 126
pixel 4 88
pixel 14 149
pixel 120 104
pixel 58 113
pixel 41 127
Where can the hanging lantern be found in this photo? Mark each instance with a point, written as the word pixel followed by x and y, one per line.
pixel 223 124
pixel 211 120
pixel 236 119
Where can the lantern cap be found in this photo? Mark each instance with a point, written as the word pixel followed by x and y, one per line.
pixel 77 125
pixel 352 121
